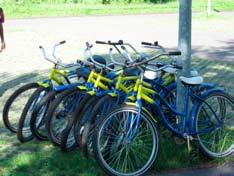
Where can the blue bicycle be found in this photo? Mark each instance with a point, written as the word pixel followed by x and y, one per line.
pixel 126 140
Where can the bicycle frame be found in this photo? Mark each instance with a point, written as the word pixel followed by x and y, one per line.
pixel 58 76
pixel 187 118
pixel 143 89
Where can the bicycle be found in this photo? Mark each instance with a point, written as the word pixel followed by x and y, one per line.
pixel 91 98
pixel 164 84
pixel 128 133
pixel 37 120
pixel 60 113
pixel 56 76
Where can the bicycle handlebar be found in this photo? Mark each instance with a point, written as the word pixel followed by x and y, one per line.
pixel 120 42
pixel 166 66
pixel 102 66
pixel 45 56
pixel 150 44
pixel 127 53
pixel 57 60
pixel 62 42
pixel 171 53
pixel 154 45
pixel 54 49
pixel 174 53
pixel 113 60
pixel 101 42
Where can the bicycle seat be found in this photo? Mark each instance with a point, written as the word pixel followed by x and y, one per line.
pixel 131 72
pixel 150 74
pixel 192 80
pixel 98 59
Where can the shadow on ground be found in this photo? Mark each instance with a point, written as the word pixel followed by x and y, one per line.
pixel 22 79
pixel 225 53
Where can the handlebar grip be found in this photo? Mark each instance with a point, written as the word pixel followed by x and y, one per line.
pixel 100 42
pixel 146 43
pixel 62 42
pixel 174 53
pixel 120 42
pixel 178 67
pixel 156 43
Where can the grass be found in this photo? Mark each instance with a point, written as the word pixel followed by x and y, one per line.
pixel 42 158
pixel 26 9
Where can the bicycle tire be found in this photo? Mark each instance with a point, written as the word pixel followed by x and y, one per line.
pixel 93 119
pixel 5 115
pixel 101 158
pixel 224 99
pixel 65 145
pixel 26 114
pixel 44 103
pixel 56 138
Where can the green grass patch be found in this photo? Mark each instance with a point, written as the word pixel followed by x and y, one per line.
pixel 24 8
pixel 42 158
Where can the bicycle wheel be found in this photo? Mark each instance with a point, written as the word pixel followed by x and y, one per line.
pixel 169 95
pixel 123 145
pixel 98 111
pixel 15 104
pixel 68 139
pixel 24 133
pixel 60 113
pixel 37 122
pixel 214 123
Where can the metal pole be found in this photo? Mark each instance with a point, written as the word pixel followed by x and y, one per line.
pixel 184 45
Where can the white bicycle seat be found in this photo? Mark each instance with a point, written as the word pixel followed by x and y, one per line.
pixel 192 80
pixel 150 74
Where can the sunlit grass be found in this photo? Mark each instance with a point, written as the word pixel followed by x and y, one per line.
pixel 47 8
